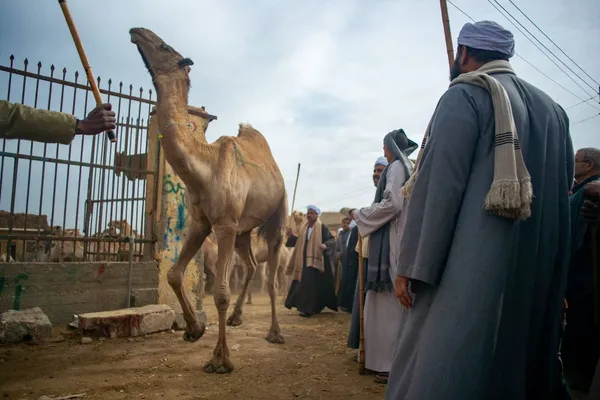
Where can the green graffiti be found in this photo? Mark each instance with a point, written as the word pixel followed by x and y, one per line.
pixel 170 187
pixel 18 290
pixel 239 159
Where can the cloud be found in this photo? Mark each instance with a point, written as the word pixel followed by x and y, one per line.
pixel 323 81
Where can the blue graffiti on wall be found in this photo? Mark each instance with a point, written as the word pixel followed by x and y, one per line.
pixel 174 233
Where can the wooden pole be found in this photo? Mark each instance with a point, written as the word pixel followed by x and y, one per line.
pixel 84 60
pixel 361 306
pixel 447 34
pixel 295 187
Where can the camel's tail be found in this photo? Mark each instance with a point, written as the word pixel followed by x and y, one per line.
pixel 276 223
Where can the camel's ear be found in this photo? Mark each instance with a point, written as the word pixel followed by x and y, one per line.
pixel 185 62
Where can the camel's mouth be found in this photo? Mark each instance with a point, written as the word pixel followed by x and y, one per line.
pixel 136 36
pixel 144 59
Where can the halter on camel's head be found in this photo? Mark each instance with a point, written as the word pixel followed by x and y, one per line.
pixel 160 58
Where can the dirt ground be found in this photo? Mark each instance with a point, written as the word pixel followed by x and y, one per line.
pixel 313 363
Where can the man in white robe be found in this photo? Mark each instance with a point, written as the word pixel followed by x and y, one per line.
pixel 380 222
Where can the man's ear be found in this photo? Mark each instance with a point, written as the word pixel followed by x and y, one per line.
pixel 463 57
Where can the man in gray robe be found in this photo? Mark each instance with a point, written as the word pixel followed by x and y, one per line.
pixel 380 222
pixel 483 292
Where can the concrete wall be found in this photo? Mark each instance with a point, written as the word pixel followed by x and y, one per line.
pixel 62 290
pixel 172 221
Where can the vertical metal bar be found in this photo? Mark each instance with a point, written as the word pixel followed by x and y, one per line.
pixel 102 190
pixel 12 59
pixel 106 176
pixel 129 284
pixel 134 194
pixel 52 68
pixel 15 175
pixel 62 99
pixel 114 186
pixel 90 206
pixel 127 134
pixel 35 101
pixel 80 169
pixel 64 224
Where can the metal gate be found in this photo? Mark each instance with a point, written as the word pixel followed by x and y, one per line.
pixel 82 201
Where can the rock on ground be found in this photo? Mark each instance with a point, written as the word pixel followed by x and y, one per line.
pixel 180 324
pixel 26 325
pixel 129 321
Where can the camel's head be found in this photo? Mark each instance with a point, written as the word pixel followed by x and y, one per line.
pixel 160 58
pixel 298 216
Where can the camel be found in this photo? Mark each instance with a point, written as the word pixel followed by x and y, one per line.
pixel 232 186
pixel 125 230
pixel 296 221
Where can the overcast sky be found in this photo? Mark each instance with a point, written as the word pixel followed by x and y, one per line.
pixel 324 81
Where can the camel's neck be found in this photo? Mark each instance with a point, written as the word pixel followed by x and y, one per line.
pixel 183 148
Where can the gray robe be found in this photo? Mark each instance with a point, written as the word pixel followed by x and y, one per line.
pixel 489 291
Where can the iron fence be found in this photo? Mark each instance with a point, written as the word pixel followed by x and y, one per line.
pixel 81 201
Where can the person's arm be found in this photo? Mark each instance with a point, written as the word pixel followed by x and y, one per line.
pixel 18 121
pixel 291 239
pixel 369 219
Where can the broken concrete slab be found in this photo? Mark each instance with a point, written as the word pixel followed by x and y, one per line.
pixel 180 324
pixel 30 325
pixel 129 322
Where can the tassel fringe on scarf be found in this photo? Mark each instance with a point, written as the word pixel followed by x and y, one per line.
pixel 510 194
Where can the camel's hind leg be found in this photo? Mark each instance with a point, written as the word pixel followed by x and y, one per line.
pixel 193 240
pixel 220 361
pixel 244 249
pixel 274 242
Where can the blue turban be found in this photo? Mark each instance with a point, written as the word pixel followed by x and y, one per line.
pixel 487 35
pixel 315 209
pixel 381 161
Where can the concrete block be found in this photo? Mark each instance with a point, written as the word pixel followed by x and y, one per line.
pixel 180 324
pixel 27 325
pixel 129 321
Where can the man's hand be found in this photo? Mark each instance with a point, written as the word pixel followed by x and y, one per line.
pixel 590 209
pixel 402 292
pixel 323 247
pixel 289 232
pixel 99 120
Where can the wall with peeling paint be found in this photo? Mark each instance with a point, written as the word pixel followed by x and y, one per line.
pixel 172 222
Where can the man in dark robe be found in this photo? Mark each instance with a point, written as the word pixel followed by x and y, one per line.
pixel 349 271
pixel 581 344
pixel 484 254
pixel 591 214
pixel 312 288
pixel 354 334
pixel 340 251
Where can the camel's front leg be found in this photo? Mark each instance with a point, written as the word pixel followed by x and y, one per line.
pixel 193 240
pixel 220 362
pixel 244 250
pixel 274 335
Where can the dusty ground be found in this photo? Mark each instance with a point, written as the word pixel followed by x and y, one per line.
pixel 313 363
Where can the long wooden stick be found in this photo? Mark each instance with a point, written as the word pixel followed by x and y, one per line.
pixel 447 34
pixel 84 60
pixel 361 306
pixel 295 187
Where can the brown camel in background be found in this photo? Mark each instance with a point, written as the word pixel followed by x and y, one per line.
pixel 232 186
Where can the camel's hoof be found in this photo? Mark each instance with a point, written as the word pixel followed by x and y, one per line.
pixel 276 338
pixel 223 367
pixel 193 336
pixel 249 302
pixel 235 319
